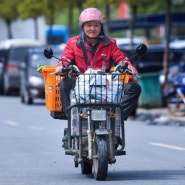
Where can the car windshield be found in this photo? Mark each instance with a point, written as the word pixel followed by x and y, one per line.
pixel 18 54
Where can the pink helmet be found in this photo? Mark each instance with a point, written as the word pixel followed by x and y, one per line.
pixel 91 14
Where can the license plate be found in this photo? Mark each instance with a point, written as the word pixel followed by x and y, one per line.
pixel 98 115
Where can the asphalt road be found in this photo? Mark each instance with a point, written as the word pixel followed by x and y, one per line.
pixel 31 152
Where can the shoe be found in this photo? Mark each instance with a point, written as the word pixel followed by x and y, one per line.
pixel 119 141
pixel 65 145
pixel 65 138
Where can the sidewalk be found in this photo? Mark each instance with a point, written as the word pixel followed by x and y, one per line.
pixel 159 115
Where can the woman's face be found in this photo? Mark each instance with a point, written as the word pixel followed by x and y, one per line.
pixel 92 28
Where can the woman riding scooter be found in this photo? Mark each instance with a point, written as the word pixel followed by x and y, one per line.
pixel 91 49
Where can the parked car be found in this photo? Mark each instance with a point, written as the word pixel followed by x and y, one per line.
pixel 32 83
pixel 150 66
pixel 12 53
pixel 176 42
pixel 126 41
pixel 152 61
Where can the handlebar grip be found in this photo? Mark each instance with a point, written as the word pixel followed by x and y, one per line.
pixel 65 70
pixel 122 67
pixel 71 69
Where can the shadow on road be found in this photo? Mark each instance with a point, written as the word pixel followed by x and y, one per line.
pixel 147 175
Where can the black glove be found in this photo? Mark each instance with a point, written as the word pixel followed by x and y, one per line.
pixel 121 67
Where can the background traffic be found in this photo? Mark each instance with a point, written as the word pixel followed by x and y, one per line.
pixel 52 24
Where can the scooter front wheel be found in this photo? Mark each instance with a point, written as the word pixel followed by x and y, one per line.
pixel 100 161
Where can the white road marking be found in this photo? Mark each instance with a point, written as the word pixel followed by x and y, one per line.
pixel 12 123
pixel 168 146
pixel 35 128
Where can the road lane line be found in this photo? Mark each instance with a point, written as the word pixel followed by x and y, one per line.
pixel 35 128
pixel 11 123
pixel 168 146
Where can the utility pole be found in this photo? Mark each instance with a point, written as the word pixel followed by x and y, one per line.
pixel 134 4
pixel 167 36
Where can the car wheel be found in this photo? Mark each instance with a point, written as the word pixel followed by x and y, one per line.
pixel 27 99
pixel 6 87
pixel 1 89
pixel 22 98
pixel 6 91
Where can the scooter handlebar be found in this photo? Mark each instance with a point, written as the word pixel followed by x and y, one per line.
pixel 66 69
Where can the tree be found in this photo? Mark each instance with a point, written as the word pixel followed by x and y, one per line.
pixel 134 4
pixel 103 5
pixel 167 6
pixel 159 6
pixel 9 12
pixel 167 34
pixel 35 8
pixel 71 5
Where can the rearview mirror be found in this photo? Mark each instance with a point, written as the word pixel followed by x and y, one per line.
pixel 48 52
pixel 141 49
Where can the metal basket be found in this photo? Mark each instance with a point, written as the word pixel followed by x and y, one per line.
pixel 99 88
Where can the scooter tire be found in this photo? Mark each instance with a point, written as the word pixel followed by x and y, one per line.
pixel 100 162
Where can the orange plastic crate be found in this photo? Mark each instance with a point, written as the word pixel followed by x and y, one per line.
pixel 125 78
pixel 52 90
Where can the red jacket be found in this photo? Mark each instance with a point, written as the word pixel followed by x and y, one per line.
pixel 73 54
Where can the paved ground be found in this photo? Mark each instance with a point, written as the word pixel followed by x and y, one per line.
pixel 159 116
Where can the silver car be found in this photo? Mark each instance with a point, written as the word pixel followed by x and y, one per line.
pixel 12 53
pixel 32 83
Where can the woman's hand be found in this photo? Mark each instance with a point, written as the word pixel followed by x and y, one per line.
pixel 59 71
pixel 133 70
